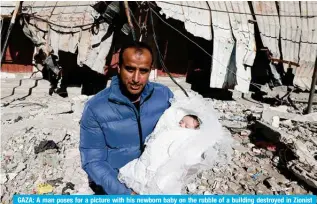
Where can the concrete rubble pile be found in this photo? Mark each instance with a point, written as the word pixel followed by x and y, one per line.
pixel 40 138
pixel 299 134
pixel 255 166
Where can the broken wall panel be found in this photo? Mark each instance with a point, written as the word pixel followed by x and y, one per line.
pixel 54 40
pixel 83 46
pixel 223 44
pixel 243 32
pixel 69 30
pixel 7 7
pixel 194 14
pixel 197 18
pixel 290 30
pixel 73 42
pixel 308 46
pixel 68 14
pixel 104 49
pixel 269 26
pixel 100 46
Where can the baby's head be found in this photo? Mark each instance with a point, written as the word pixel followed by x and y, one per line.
pixel 190 121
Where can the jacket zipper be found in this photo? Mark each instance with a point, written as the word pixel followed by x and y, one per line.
pixel 137 113
pixel 139 122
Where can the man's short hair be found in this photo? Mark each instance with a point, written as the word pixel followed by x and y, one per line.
pixel 137 46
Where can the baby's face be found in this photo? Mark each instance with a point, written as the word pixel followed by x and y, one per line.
pixel 188 122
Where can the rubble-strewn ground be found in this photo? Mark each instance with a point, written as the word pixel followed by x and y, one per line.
pixel 40 138
pixel 256 167
pixel 27 123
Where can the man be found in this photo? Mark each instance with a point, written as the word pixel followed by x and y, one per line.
pixel 116 121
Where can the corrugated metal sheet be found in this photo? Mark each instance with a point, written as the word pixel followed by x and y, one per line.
pixel 229 57
pixel 243 32
pixel 67 15
pixel 69 29
pixel 223 45
pixel 274 19
pixel 269 26
pixel 290 30
pixel 298 35
pixel 96 58
pixel 7 7
pixel 308 45
pixel 195 15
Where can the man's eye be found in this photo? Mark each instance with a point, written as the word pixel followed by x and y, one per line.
pixel 144 71
pixel 129 69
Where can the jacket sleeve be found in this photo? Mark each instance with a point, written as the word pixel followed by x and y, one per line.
pixel 169 94
pixel 93 152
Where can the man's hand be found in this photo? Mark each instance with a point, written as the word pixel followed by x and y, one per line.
pixel 134 193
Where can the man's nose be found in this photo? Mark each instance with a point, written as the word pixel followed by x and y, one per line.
pixel 136 77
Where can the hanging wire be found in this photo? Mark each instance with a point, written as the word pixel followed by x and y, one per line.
pixel 255 85
pixel 152 10
pixel 52 23
pixel 135 20
pixel 161 58
pixel 222 11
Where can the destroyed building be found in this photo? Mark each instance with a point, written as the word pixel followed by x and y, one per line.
pixel 265 50
pixel 240 42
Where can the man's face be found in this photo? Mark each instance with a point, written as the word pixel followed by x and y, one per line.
pixel 135 69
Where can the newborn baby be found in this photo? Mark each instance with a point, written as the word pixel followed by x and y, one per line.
pixel 159 147
pixel 190 121
pixel 179 147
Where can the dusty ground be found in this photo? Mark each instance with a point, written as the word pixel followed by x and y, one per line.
pixel 40 137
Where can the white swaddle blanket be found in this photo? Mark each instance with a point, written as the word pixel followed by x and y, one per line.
pixel 174 154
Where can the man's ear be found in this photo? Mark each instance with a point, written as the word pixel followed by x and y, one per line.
pixel 119 70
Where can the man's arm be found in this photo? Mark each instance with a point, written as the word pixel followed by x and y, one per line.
pixel 170 94
pixel 93 151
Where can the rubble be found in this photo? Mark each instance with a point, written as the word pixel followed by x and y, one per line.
pixel 40 147
pixel 40 138
pixel 45 145
pixel 255 167
pixel 300 138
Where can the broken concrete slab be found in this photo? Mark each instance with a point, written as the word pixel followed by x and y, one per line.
pixel 304 157
pixel 312 117
pixel 309 177
pixel 3 178
pixel 60 107
pixel 269 113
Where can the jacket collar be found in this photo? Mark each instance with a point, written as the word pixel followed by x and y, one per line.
pixel 116 94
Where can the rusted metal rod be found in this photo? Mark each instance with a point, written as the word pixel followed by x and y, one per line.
pixel 284 61
pixel 127 11
pixel 17 7
pixel 278 60
pixel 312 88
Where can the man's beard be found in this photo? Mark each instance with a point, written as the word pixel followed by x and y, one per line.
pixel 132 97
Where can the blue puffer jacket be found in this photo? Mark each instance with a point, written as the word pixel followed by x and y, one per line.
pixel 109 131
